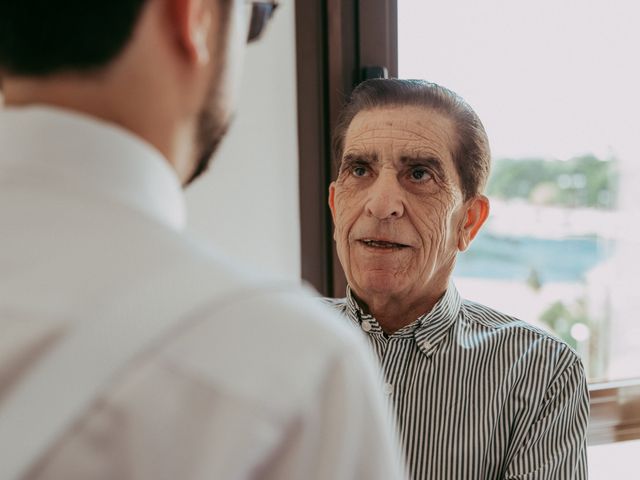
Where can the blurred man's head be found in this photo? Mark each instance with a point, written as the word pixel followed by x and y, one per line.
pixel 167 70
pixel 414 159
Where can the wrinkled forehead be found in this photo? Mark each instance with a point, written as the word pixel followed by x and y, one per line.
pixel 397 132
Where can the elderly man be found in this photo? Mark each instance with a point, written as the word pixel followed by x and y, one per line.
pixel 477 394
pixel 128 350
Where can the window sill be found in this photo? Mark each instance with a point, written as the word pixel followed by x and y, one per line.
pixel 615 412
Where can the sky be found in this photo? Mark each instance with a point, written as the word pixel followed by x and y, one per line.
pixel 550 78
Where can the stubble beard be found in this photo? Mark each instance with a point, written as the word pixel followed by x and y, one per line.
pixel 211 127
pixel 214 117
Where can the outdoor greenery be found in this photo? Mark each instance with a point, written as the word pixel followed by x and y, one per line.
pixel 561 318
pixel 584 181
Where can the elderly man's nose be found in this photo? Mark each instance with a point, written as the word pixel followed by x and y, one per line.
pixel 385 198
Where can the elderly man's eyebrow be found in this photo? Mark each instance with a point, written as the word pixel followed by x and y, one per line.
pixel 364 157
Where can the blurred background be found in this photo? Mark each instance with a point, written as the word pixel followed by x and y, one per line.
pixel 555 87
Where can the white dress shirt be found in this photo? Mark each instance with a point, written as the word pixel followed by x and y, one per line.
pixel 269 386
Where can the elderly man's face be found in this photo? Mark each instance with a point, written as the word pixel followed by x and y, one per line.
pixel 397 204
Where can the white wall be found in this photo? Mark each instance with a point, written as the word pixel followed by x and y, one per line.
pixel 247 204
pixel 614 460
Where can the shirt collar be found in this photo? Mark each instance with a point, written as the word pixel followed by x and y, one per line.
pixel 435 324
pixel 71 149
pixel 428 330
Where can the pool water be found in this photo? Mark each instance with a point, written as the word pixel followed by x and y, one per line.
pixel 517 258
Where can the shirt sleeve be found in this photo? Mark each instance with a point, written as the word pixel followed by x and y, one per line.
pixel 554 447
pixel 345 430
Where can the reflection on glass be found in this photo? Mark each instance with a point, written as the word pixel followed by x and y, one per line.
pixel 556 88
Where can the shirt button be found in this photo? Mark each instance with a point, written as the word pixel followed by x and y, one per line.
pixel 388 389
pixel 366 325
pixel 426 344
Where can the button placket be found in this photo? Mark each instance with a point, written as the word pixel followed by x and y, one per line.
pixel 392 366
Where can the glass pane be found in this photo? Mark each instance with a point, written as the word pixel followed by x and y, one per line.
pixel 556 84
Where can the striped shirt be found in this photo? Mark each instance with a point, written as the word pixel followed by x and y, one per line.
pixel 481 395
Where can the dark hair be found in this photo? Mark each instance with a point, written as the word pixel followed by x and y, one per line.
pixel 40 37
pixel 472 155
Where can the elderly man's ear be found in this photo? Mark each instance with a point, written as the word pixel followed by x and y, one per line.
pixel 332 199
pixel 477 213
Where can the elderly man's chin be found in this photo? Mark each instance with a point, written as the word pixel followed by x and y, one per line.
pixel 380 280
pixel 376 284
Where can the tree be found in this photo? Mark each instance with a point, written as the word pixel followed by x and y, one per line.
pixel 584 181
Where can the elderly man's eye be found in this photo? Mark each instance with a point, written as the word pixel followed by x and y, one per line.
pixel 359 171
pixel 420 174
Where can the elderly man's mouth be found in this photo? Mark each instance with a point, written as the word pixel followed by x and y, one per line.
pixel 382 244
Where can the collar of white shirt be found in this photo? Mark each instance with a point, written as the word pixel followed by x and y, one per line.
pixel 71 149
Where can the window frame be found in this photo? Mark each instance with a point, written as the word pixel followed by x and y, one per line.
pixel 336 40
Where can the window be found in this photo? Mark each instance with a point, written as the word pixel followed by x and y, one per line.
pixel 556 84
pixel 556 88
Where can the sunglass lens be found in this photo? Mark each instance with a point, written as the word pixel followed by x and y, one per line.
pixel 261 12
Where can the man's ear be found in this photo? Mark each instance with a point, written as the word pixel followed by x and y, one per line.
pixel 332 199
pixel 192 22
pixel 477 213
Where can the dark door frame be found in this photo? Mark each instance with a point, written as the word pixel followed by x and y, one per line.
pixel 336 40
